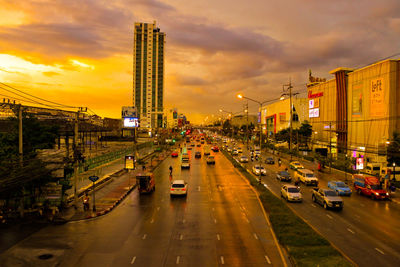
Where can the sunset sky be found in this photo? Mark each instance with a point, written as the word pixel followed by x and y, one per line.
pixel 79 52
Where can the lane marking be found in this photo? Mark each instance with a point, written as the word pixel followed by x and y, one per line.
pixel 313 205
pixel 213 209
pixel 183 221
pixel 133 260
pixel 152 220
pixel 144 236
pixel 215 220
pixel 329 216
pixel 178 259
pixel 198 188
pixel 181 237
pixel 218 237
pixel 351 231
pixel 380 251
pixel 222 260
pixel 158 208
pixel 268 260
pixel 255 236
pixel 247 220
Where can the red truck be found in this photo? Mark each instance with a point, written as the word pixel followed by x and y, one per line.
pixel 145 182
pixel 369 186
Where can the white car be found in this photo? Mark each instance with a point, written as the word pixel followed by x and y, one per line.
pixel 244 159
pixel 291 193
pixel 185 164
pixel 178 188
pixel 210 160
pixel 235 152
pixel 257 169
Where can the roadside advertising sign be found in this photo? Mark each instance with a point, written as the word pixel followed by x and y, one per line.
pixel 359 163
pixel 128 112
pixel 131 122
pixel 130 162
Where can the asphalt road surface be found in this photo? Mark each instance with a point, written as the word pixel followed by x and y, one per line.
pixel 367 231
pixel 219 223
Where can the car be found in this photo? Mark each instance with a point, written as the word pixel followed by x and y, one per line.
pixel 229 149
pixel 192 144
pixel 174 154
pixel 270 160
pixel 178 188
pixel 291 193
pixel 283 176
pixel 197 154
pixel 215 148
pixel 257 152
pixel 210 160
pixel 235 152
pixel 306 176
pixel 244 159
pixel 198 145
pixel 327 198
pixel 239 150
pixel 296 165
pixel 340 187
pixel 257 169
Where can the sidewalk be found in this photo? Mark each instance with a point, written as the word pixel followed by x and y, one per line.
pixel 110 193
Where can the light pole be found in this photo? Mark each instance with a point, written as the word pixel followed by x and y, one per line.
pixel 291 116
pixel 240 96
pixel 394 171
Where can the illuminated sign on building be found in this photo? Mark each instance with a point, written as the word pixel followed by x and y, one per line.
pixel 131 122
pixel 313 113
pixel 359 163
pixel 311 95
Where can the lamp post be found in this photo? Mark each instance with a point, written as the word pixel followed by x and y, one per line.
pixel 240 96
pixel 394 171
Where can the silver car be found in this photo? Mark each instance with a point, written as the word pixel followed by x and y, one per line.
pixel 257 169
pixel 291 193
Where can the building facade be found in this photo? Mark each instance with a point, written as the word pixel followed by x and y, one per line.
pixel 240 120
pixel 276 116
pixel 148 74
pixel 357 112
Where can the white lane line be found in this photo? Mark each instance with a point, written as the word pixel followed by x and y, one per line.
pixel 313 205
pixel 152 220
pixel 268 260
pixel 178 259
pixel 183 221
pixel 158 208
pixel 218 237
pixel 380 251
pixel 215 220
pixel 213 209
pixel 351 231
pixel 180 237
pixel 329 216
pixel 133 260
pixel 222 260
pixel 198 188
pixel 255 236
pixel 144 236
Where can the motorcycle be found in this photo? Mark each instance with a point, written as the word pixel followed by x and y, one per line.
pixel 86 204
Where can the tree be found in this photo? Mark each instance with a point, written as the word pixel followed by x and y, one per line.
pixel 304 134
pixel 32 171
pixel 227 127
pixel 393 150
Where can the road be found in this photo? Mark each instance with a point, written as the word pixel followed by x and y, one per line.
pixel 367 231
pixel 219 223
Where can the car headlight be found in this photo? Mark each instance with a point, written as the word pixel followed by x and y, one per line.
pixel 387 194
pixel 377 194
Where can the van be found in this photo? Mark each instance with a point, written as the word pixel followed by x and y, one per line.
pixel 306 176
pixel 373 169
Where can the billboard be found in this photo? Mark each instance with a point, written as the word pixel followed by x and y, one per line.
pixel 131 122
pixel 130 162
pixel 128 112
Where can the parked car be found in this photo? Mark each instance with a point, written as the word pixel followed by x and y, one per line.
pixel 257 169
pixel 270 160
pixel 244 159
pixel 296 165
pixel 174 154
pixel 210 160
pixel 327 198
pixel 283 176
pixel 291 193
pixel 340 187
pixel 178 188
pixel 306 176
pixel 197 154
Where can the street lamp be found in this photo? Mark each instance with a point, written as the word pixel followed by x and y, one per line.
pixel 394 172
pixel 240 96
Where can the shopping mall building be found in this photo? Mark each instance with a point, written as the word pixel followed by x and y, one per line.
pixel 357 111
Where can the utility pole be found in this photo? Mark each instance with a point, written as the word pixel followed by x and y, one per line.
pixel 20 140
pixel 247 123
pixel 76 132
pixel 330 147
pixel 290 119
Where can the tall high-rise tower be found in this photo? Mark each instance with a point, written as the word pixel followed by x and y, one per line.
pixel 148 74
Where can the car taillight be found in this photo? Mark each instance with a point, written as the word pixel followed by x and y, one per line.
pixel 172 189
pixel 183 189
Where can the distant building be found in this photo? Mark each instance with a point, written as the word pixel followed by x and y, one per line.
pixel 239 120
pixel 148 74
pixel 276 116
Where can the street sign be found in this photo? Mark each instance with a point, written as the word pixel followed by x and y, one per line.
pixel 130 162
pixel 93 178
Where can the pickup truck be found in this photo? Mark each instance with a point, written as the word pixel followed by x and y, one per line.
pixel 327 198
pixel 369 186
